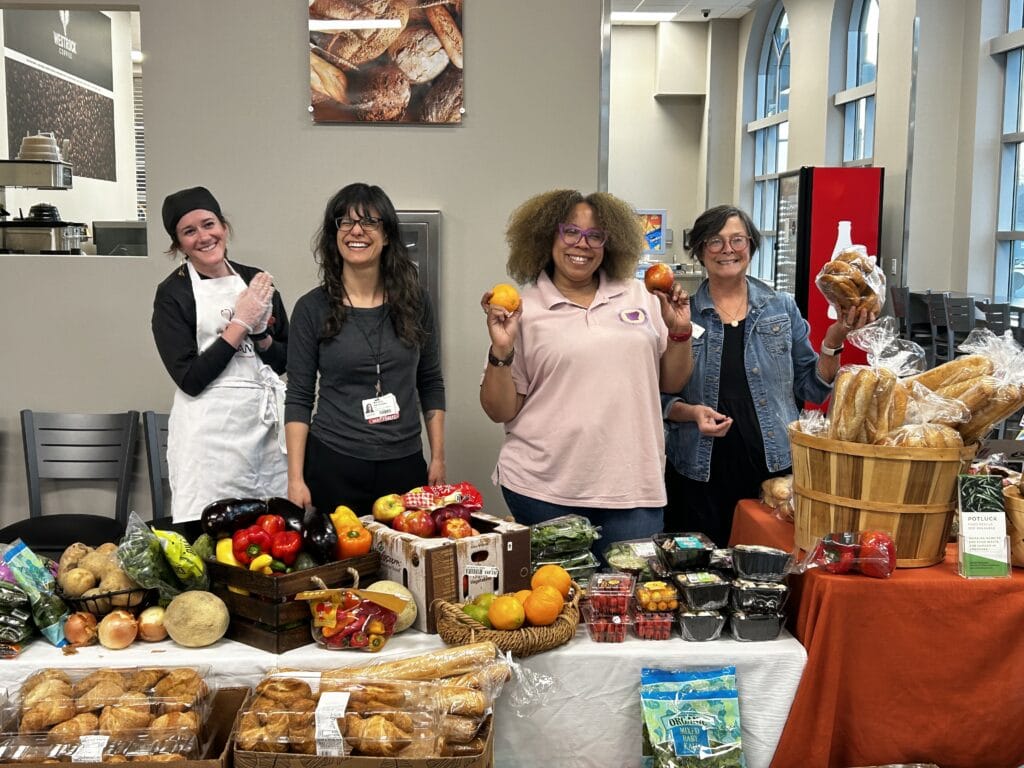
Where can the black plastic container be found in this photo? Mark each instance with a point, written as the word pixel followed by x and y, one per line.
pixel 749 627
pixel 703 590
pixel 683 551
pixel 701 626
pixel 757 563
pixel 759 597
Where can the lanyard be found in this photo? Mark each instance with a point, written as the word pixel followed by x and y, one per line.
pixel 377 351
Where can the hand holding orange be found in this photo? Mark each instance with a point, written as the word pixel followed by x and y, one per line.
pixel 505 296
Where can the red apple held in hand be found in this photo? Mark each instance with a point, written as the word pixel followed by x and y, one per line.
pixel 387 508
pixel 456 528
pixel 659 277
pixel 415 521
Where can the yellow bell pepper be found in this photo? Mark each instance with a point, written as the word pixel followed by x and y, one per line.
pixel 227 556
pixel 261 564
pixel 344 518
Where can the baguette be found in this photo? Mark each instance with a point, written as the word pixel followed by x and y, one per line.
pixel 840 396
pixel 965 367
pixel 457 660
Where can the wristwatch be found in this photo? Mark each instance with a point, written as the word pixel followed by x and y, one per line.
pixel 498 363
pixel 831 351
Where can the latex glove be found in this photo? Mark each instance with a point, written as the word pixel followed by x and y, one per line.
pixel 253 301
pixel 261 323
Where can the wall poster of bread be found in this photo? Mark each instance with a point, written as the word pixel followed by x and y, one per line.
pixel 385 61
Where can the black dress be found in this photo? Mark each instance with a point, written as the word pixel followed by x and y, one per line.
pixel 738 465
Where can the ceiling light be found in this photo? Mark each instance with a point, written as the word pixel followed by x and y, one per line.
pixel 640 17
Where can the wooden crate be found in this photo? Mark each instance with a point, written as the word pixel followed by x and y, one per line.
pixel 269 617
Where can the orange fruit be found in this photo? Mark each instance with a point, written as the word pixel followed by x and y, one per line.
pixel 543 606
pixel 505 296
pixel 522 594
pixel 553 576
pixel 506 613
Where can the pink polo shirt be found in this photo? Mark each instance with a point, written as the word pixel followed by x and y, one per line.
pixel 590 431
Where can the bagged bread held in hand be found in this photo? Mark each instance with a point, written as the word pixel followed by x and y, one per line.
pixel 852 279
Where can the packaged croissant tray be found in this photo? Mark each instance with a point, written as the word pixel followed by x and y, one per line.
pixel 110 714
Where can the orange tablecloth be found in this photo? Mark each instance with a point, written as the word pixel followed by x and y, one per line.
pixel 922 667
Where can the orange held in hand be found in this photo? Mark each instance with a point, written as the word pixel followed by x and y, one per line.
pixel 505 296
pixel 543 606
pixel 553 576
pixel 659 277
pixel 506 613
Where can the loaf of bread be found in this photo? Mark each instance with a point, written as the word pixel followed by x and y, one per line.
pixel 852 279
pixel 924 436
pixel 862 409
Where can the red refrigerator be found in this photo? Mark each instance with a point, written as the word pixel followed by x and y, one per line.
pixel 811 203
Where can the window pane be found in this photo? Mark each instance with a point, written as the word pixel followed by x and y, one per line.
pixel 782 155
pixel 1007 171
pixel 1017 274
pixel 1018 187
pixel 784 81
pixel 869 128
pixel 1015 19
pixel 771 89
pixel 867 60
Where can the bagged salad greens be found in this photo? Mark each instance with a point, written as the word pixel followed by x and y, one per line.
pixel 30 573
pixel 691 718
pixel 568 533
pixel 142 557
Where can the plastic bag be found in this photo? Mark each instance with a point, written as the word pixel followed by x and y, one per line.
pixel 142 558
pixel 48 611
pixel 186 563
pixel 567 533
pixel 852 279
pixel 872 553
pixel 431 497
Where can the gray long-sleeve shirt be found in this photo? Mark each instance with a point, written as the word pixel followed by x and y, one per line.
pixel 347 370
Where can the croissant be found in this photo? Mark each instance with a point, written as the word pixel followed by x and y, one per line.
pixel 100 695
pixel 77 726
pixel 117 720
pixel 145 679
pixel 46 689
pixel 375 736
pixel 284 689
pixel 99 676
pixel 42 676
pixel 164 757
pixel 173 721
pixel 180 688
pixel 263 733
pixel 47 713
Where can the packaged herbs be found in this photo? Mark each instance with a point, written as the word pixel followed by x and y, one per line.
pixel 48 611
pixel 568 533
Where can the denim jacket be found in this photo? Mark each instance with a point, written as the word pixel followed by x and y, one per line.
pixel 782 370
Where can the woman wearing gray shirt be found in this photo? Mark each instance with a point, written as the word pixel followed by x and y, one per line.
pixel 363 350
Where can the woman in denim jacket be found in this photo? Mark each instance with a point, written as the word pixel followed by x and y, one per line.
pixel 726 430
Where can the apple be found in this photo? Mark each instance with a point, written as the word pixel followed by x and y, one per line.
pixel 456 528
pixel 415 521
pixel 387 508
pixel 452 510
pixel 659 277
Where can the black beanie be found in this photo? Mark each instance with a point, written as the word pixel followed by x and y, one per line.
pixel 179 203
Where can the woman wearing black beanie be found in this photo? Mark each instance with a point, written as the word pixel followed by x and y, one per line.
pixel 221 330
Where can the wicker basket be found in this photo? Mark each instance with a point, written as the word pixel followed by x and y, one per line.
pixel 909 492
pixel 1015 523
pixel 456 628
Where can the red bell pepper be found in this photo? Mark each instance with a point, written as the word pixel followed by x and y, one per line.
pixel 286 545
pixel 271 523
pixel 249 543
pixel 877 554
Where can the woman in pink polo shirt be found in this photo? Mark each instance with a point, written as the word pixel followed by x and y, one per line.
pixel 575 373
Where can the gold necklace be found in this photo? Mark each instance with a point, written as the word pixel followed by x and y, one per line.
pixel 734 317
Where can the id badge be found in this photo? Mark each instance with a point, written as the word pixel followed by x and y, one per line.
pixel 378 409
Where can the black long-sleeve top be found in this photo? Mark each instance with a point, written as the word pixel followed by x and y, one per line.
pixel 174 331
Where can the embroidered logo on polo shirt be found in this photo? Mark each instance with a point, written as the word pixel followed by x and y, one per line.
pixel 636 316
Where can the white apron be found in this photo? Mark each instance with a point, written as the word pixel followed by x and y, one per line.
pixel 227 442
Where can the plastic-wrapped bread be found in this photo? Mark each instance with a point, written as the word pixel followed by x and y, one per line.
pixel 961 369
pixel 456 660
pixel 923 436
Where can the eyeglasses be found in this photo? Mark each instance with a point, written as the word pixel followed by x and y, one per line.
pixel 571 235
pixel 367 223
pixel 736 243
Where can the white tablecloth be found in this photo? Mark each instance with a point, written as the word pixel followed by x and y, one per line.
pixel 591 716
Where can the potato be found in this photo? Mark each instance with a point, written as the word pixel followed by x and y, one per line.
pixel 97 597
pixel 77 581
pixel 119 581
pixel 99 563
pixel 72 556
pixel 107 549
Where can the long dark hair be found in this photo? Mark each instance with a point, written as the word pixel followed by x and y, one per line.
pixel 398 273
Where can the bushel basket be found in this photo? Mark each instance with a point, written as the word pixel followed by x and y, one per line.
pixel 456 628
pixel 1015 523
pixel 909 492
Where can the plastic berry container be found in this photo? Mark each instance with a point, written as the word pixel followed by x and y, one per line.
pixel 683 551
pixel 703 590
pixel 653 626
pixel 758 596
pixel 701 626
pixel 757 563
pixel 606 628
pixel 610 593
pixel 750 627
pixel 656 596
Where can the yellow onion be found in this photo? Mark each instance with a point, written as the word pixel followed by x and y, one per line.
pixel 80 628
pixel 118 629
pixel 151 624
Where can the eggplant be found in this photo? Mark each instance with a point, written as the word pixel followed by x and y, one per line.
pixel 226 516
pixel 319 536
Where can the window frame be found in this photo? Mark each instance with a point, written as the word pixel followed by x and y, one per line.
pixel 857 100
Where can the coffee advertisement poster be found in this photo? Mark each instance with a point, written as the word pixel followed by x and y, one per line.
pixel 386 61
pixel 60 79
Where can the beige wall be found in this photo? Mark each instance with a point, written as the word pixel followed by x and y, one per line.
pixel 226 100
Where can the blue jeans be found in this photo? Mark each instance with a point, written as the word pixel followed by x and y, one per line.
pixel 615 524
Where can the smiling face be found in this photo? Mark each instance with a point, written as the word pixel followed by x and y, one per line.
pixel 576 265
pixel 203 238
pixel 361 247
pixel 729 263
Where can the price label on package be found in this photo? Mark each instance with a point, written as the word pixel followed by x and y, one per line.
pixel 329 710
pixel 984 546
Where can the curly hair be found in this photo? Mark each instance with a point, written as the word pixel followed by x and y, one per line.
pixel 534 224
pixel 713 221
pixel 398 272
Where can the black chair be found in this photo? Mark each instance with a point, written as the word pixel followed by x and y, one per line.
pixel 154 427
pixel 951 319
pixel 911 327
pixel 997 317
pixel 80 447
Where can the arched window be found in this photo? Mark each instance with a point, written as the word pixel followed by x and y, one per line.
pixel 1009 270
pixel 858 100
pixel 770 132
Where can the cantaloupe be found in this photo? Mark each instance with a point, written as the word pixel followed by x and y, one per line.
pixel 196 619
pixel 408 614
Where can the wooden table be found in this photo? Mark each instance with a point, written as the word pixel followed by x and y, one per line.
pixel 922 667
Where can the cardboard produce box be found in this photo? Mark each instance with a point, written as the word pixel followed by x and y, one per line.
pixel 498 560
